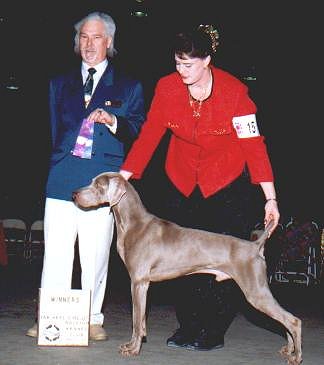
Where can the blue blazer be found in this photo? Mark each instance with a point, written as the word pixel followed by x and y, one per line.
pixel 114 93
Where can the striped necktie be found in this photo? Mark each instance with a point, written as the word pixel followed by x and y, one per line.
pixel 88 86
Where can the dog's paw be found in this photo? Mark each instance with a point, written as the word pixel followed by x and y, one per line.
pixel 293 360
pixel 129 349
pixel 285 351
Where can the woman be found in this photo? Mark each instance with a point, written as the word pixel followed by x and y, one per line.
pixel 214 150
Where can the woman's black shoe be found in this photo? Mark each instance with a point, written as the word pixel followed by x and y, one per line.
pixel 179 339
pixel 205 343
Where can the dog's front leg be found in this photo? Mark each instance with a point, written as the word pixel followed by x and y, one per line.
pixel 139 294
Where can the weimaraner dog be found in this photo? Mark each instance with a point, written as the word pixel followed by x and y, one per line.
pixel 154 249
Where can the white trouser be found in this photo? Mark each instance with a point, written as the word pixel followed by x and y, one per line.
pixel 63 223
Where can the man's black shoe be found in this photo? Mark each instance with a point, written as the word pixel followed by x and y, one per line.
pixel 179 339
pixel 205 343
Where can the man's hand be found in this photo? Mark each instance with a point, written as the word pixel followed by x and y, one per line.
pixel 101 116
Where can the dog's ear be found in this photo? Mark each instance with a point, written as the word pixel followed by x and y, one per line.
pixel 116 189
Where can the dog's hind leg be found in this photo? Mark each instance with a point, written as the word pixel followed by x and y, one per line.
pixel 139 295
pixel 266 303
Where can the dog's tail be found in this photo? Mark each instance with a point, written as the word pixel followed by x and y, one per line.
pixel 260 242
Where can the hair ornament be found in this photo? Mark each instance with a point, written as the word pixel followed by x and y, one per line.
pixel 213 33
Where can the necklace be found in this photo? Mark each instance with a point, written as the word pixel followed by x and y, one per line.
pixel 196 104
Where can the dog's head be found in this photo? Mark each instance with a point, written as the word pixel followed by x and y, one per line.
pixel 106 188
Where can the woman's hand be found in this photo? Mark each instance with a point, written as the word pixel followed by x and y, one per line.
pixel 271 213
pixel 125 174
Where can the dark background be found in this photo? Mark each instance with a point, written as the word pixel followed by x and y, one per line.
pixel 270 46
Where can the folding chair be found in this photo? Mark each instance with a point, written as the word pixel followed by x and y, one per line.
pixel 34 246
pixel 299 262
pixel 15 231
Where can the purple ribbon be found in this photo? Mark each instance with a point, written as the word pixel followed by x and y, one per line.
pixel 84 142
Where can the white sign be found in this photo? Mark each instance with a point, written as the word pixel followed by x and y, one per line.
pixel 63 317
pixel 246 126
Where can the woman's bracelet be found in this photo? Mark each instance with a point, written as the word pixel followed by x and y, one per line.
pixel 275 199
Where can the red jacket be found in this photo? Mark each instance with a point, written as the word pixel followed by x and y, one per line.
pixel 206 150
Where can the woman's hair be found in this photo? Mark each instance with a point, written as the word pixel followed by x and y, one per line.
pixel 110 29
pixel 198 43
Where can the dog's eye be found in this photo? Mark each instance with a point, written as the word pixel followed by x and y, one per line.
pixel 100 188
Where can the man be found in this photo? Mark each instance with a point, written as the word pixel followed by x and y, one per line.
pixel 94 115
